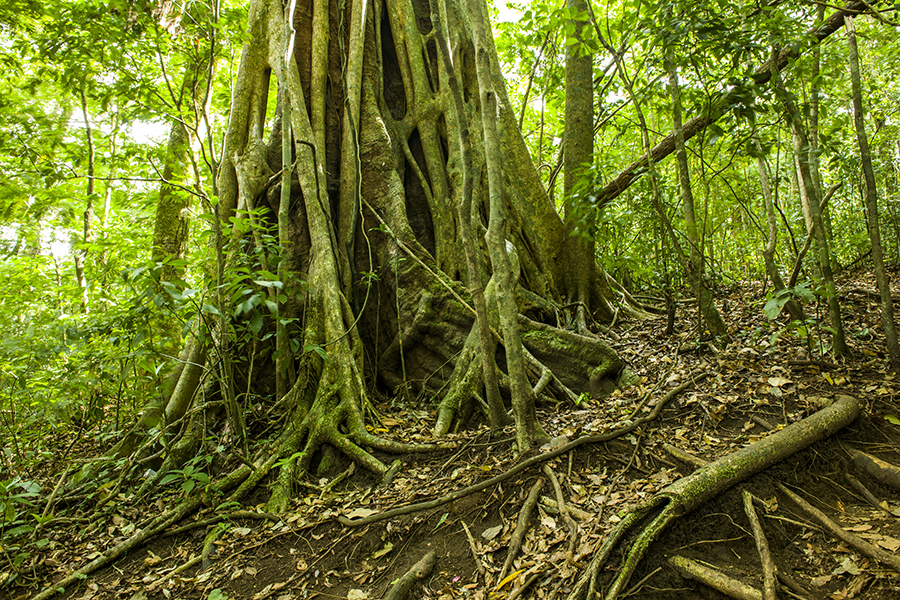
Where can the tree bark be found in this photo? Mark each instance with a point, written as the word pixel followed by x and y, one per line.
pixel 578 149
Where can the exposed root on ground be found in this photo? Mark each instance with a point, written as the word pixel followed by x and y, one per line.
pixel 686 494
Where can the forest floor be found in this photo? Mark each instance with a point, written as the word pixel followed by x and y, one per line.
pixel 768 374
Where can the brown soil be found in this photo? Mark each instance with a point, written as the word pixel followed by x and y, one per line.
pixel 306 554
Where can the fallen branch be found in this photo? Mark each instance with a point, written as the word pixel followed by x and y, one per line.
pixel 681 497
pixel 873 552
pixel 876 468
pixel 418 572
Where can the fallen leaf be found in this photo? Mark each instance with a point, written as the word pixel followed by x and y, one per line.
pixel 360 513
pixel 491 532
pixel 357 595
pixel 889 543
pixel 848 565
pixel 379 553
pixel 778 381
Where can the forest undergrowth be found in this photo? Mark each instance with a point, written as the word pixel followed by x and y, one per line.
pixel 717 400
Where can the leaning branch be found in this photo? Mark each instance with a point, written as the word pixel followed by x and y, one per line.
pixel 694 126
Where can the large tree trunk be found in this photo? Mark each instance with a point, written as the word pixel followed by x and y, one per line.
pixel 371 231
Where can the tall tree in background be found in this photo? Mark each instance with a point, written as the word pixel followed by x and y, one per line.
pixel 801 146
pixel 865 158
pixel 709 315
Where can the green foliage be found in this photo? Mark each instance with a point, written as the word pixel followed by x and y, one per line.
pixel 188 477
pixel 775 302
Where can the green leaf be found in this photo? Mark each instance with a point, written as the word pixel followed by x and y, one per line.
pixel 256 322
pixel 317 349
pixel 211 310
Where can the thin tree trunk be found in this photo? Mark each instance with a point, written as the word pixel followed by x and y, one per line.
pixel 82 253
pixel 800 141
pixel 709 314
pixel 769 251
pixel 865 157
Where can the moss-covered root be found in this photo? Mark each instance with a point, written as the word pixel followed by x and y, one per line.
pixel 464 383
pixel 715 579
pixel 418 572
pixel 686 494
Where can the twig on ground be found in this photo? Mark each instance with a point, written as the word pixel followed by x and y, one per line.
pixel 865 493
pixel 176 571
pixel 474 550
pixel 522 526
pixel 553 508
pixel 770 590
pixel 564 512
pixel 418 572
pixel 762 422
pixel 842 534
pixel 684 456
pixel 528 581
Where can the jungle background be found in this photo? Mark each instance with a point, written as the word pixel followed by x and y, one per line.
pixel 193 406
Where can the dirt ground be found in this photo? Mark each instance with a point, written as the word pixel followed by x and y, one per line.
pixel 768 376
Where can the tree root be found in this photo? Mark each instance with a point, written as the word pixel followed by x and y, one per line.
pixel 860 544
pixel 525 464
pixel 681 497
pixel 156 526
pixel 762 547
pixel 715 579
pixel 522 526
pixel 876 468
pixel 418 572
